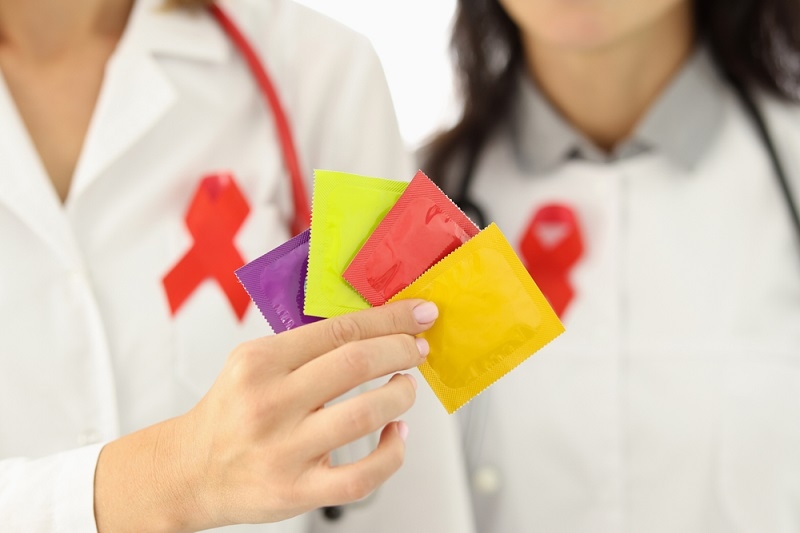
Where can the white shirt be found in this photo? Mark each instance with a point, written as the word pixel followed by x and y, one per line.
pixel 88 348
pixel 672 401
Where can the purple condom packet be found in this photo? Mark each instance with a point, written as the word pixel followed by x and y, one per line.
pixel 276 283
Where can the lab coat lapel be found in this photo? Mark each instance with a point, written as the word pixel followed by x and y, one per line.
pixel 25 188
pixel 134 97
pixel 137 93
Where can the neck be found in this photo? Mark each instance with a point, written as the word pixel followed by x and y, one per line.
pixel 45 29
pixel 604 92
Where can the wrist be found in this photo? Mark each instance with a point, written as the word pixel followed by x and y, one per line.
pixel 148 481
pixel 182 467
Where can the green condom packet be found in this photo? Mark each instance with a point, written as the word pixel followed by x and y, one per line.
pixel 346 209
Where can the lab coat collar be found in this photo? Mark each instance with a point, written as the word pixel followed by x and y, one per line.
pixel 25 189
pixel 178 33
pixel 137 93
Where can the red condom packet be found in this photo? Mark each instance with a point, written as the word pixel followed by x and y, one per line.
pixel 421 229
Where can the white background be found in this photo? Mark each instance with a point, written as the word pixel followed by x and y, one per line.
pixel 411 38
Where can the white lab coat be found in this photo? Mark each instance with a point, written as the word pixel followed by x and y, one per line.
pixel 672 402
pixel 88 349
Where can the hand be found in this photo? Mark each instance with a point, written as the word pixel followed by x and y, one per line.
pixel 256 448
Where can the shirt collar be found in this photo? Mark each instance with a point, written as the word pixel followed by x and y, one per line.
pixel 181 33
pixel 681 124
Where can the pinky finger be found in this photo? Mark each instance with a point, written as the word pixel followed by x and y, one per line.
pixel 352 482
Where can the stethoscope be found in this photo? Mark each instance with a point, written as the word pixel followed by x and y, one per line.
pixel 478 215
pixel 301 217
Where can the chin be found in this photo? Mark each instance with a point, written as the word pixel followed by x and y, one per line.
pixel 582 40
pixel 578 31
pixel 587 24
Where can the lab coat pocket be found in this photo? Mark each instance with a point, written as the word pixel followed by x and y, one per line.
pixel 212 322
pixel 760 448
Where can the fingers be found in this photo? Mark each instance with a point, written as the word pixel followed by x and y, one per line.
pixel 352 419
pixel 348 366
pixel 298 346
pixel 348 483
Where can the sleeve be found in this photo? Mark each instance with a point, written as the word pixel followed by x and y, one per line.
pixel 53 494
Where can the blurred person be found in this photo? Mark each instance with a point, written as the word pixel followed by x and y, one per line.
pixel 146 151
pixel 642 156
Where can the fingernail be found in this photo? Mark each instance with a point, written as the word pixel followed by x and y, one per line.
pixel 412 379
pixel 426 313
pixel 402 429
pixel 423 346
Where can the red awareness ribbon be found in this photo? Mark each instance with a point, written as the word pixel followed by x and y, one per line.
pixel 549 263
pixel 215 214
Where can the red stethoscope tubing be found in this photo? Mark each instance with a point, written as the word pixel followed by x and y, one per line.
pixel 302 212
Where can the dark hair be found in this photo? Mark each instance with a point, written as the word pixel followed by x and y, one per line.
pixel 755 42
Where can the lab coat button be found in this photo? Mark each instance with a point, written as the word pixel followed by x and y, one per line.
pixel 88 437
pixel 486 480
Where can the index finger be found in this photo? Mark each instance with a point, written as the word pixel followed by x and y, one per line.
pixel 298 346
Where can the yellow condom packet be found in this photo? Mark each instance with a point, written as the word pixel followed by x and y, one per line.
pixel 492 317
pixel 346 209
